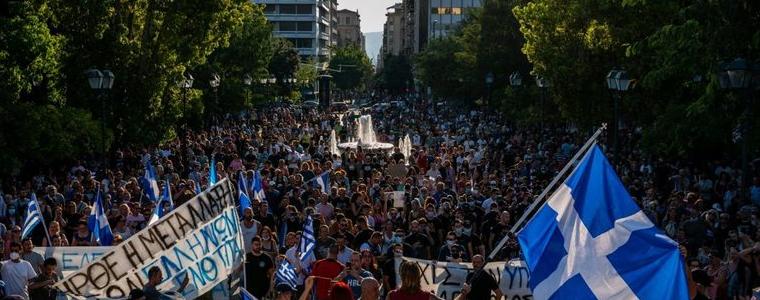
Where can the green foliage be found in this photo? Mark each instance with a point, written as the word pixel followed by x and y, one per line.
pixel 664 44
pixel 396 75
pixel 46 45
pixel 354 68
pixel 285 64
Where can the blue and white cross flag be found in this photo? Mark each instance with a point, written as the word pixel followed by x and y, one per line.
pixel 591 241
pixel 323 181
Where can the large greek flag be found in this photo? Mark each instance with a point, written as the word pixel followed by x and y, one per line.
pixel 33 217
pixel 591 241
pixel 150 184
pixel 286 274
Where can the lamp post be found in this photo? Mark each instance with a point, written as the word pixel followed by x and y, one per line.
pixel 515 79
pixel 435 28
pixel 247 81
pixel 185 84
pixel 489 83
pixel 543 84
pixel 738 75
pixel 101 82
pixel 214 82
pixel 618 82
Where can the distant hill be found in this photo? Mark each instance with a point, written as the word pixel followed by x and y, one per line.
pixel 373 41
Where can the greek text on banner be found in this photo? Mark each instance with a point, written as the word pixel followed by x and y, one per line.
pixel 200 239
pixel 447 279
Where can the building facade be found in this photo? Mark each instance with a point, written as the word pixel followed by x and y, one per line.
pixel 310 25
pixel 444 16
pixel 393 30
pixel 349 29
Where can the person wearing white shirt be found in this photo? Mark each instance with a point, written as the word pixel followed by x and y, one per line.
pixel 294 257
pixel 16 273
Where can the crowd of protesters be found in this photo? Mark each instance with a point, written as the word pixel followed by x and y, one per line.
pixel 470 175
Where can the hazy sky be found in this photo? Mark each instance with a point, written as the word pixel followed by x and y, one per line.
pixel 372 12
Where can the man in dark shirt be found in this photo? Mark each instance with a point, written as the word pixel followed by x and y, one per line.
pixel 479 283
pixel 155 277
pixel 41 287
pixel 258 270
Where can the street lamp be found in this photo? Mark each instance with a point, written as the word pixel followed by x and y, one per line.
pixel 740 75
pixel 515 80
pixel 618 82
pixel 543 84
pixel 185 84
pixel 101 82
pixel 489 83
pixel 214 82
pixel 247 81
pixel 435 28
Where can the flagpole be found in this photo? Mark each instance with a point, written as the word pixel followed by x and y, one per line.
pixel 541 197
pixel 42 220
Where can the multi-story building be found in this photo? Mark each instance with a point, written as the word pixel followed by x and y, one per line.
pixel 445 15
pixel 349 29
pixel 393 30
pixel 311 25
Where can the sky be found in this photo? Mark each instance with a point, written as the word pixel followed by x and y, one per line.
pixel 372 12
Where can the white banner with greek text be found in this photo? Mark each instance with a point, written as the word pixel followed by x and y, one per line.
pixel 200 239
pixel 447 279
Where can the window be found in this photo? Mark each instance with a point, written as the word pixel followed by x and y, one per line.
pixel 456 10
pixel 305 26
pixel 301 43
pixel 268 9
pixel 304 9
pixel 348 20
pixel 287 26
pixel 287 9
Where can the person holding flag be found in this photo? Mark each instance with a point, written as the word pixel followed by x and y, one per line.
pixel 166 199
pixel 97 223
pixel 212 172
pixel 33 218
pixel 285 280
pixel 245 201
pixel 149 182
pixel 258 187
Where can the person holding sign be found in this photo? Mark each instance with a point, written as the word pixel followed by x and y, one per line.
pixel 155 277
pixel 480 283
pixel 411 287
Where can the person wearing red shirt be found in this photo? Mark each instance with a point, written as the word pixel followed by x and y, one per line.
pixel 325 270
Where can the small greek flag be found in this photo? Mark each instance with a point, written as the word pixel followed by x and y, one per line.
pixel 33 217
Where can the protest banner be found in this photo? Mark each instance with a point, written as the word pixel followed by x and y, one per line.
pixel 71 259
pixel 398 198
pixel 447 279
pixel 200 239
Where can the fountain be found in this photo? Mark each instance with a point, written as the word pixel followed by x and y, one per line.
pixel 365 137
pixel 334 143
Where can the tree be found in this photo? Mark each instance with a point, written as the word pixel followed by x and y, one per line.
pixel 284 64
pixel 396 75
pixel 351 66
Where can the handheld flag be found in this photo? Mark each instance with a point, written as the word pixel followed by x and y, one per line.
pixel 591 241
pixel 212 173
pixel 245 202
pixel 159 211
pixel 286 274
pixel 245 295
pixel 33 217
pixel 306 246
pixel 258 187
pixel 98 223
pixel 197 188
pixel 323 181
pixel 150 184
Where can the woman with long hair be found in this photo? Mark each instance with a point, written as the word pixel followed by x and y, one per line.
pixel 411 287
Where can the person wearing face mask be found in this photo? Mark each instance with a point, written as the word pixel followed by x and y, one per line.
pixel 451 251
pixel 250 227
pixel 16 273
pixel 391 265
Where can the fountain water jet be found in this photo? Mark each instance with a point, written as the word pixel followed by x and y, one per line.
pixel 365 137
